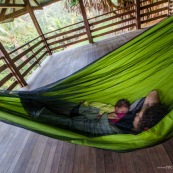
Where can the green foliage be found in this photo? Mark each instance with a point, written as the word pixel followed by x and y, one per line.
pixel 74 2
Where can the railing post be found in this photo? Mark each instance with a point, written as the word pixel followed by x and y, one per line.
pixel 12 66
pixel 30 11
pixel 137 13
pixel 87 26
pixel 169 2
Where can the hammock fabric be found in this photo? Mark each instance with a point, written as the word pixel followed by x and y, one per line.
pixel 131 71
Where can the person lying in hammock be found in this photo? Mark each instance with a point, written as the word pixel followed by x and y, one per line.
pixel 144 114
pixel 122 107
pixel 116 113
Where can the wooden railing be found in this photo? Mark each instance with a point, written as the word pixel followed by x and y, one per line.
pixel 8 80
pixel 153 13
pixel 170 7
pixel 15 66
pixel 67 36
pixel 113 22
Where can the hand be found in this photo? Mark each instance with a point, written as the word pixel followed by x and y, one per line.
pixel 112 116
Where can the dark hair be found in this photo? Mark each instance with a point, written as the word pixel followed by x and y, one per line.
pixel 123 102
pixel 151 116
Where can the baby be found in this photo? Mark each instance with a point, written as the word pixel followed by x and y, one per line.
pixel 121 109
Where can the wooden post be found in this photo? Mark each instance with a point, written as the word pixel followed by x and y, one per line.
pixel 137 12
pixel 87 26
pixel 12 66
pixel 31 12
pixel 169 2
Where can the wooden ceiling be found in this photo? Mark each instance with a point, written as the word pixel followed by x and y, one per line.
pixel 10 9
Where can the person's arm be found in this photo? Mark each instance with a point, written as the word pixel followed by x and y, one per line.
pixel 112 116
pixel 151 99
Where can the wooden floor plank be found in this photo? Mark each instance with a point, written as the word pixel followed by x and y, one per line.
pixel 4 131
pixel 111 163
pixel 57 157
pixel 67 158
pixel 85 159
pixel 168 147
pixel 9 133
pixel 45 155
pixel 26 154
pixel 3 152
pixel 100 162
pixel 19 150
pixel 36 156
pixel 50 156
pixel 123 162
pixel 158 159
pixel 141 161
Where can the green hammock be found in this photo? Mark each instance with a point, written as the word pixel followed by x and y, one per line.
pixel 131 71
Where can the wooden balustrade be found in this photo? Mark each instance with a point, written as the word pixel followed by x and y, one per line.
pixel 67 36
pixel 153 13
pixel 17 64
pixel 7 79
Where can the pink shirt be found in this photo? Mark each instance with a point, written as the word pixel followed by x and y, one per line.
pixel 119 115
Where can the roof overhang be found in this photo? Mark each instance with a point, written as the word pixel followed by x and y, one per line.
pixel 10 9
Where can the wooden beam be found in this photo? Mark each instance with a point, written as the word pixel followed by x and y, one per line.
pixel 11 5
pixel 87 26
pixel 12 66
pixel 22 11
pixel 4 10
pixel 31 12
pixel 137 14
pixel 17 13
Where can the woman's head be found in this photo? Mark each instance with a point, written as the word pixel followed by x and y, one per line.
pixel 149 117
pixel 122 106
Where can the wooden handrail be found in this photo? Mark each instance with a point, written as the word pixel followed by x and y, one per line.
pixel 30 58
pixel 26 51
pixel 12 86
pixel 3 67
pixel 155 11
pixel 5 79
pixel 68 38
pixel 63 28
pixel 113 24
pixel 64 33
pixel 12 67
pixel 23 45
pixel 112 17
pixel 33 65
pixel 114 30
pixel 114 11
pixel 59 47
pixel 154 4
pixel 151 19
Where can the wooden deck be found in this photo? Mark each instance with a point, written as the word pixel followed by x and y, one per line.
pixel 22 151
